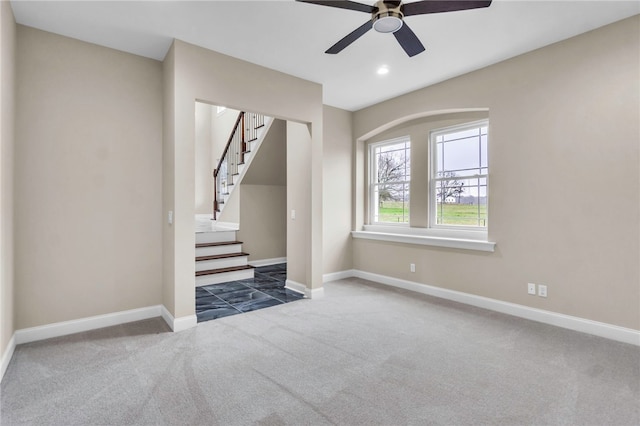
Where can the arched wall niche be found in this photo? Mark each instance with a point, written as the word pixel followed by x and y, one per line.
pixel 417 126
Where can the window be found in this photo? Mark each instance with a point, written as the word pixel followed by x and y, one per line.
pixel 459 174
pixel 390 166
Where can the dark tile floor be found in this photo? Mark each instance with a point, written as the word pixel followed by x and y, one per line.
pixel 235 297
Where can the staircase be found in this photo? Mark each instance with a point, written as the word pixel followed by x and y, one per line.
pixel 219 258
pixel 246 137
pixel 219 255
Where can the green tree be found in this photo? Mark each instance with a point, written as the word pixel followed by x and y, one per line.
pixel 448 187
pixel 391 169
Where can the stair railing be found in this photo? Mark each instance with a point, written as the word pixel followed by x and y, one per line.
pixel 245 130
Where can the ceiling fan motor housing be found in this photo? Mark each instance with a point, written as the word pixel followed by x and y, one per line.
pixel 387 16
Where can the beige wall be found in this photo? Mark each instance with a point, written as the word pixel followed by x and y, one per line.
pixel 263 198
pixel 564 185
pixel 337 198
pixel 194 73
pixel 88 173
pixel 263 221
pixel 298 200
pixel 269 164
pixel 204 158
pixel 7 136
pixel 231 212
pixel 168 177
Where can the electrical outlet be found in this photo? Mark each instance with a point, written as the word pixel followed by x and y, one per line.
pixel 531 288
pixel 412 267
pixel 542 290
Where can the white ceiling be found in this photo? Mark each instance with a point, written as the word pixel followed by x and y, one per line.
pixel 291 37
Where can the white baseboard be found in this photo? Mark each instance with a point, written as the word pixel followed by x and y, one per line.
pixel 178 324
pixel 64 328
pixel 309 293
pixel 295 286
pixel 609 331
pixel 267 262
pixel 334 276
pixel 7 355
pixel 314 293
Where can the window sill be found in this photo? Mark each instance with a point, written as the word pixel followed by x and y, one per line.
pixel 472 240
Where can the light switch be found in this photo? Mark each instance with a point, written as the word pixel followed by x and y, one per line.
pixel 170 217
pixel 293 214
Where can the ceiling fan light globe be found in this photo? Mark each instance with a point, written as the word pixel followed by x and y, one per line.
pixel 387 23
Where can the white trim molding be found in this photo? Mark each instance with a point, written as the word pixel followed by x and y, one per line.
pixel 296 286
pixel 309 293
pixel 267 262
pixel 178 324
pixel 314 293
pixel 608 331
pixel 335 276
pixel 64 328
pixel 426 240
pixel 7 355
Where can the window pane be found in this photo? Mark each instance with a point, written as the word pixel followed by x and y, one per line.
pixel 391 175
pixel 461 202
pixel 392 203
pixel 461 154
pixel 483 152
pixel 459 194
pixel 393 162
pixel 462 134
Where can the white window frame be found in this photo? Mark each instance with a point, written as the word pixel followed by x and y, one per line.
pixel 446 236
pixel 372 181
pixel 434 179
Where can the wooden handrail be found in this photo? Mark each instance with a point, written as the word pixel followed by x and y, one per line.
pixel 234 159
pixel 226 148
pixel 216 171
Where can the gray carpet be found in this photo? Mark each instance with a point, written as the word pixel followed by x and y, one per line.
pixel 363 355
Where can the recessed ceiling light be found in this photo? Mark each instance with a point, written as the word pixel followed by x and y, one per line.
pixel 383 70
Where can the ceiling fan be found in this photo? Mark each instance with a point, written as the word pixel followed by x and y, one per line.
pixel 388 17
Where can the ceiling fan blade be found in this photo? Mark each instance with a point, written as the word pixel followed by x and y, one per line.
pixel 437 6
pixel 408 40
pixel 350 38
pixel 351 5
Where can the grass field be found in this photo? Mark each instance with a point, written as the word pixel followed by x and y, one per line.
pixel 448 214
pixel 393 211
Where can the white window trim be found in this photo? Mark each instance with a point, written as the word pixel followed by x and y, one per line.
pixel 454 229
pixel 447 236
pixel 373 178
pixel 464 239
